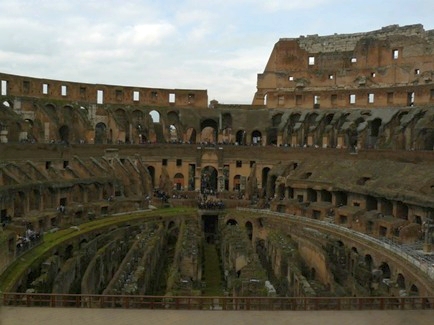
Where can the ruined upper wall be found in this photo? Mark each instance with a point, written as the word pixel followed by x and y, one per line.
pixel 23 86
pixel 347 42
pixel 390 67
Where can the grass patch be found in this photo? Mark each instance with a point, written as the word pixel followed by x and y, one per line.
pixel 213 276
pixel 39 253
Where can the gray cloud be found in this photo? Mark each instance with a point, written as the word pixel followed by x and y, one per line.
pixel 201 44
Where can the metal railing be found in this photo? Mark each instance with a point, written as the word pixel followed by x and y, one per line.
pixel 216 303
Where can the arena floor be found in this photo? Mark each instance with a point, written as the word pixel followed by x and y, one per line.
pixel 72 316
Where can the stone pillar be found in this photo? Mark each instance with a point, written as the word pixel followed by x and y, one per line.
pixel 310 140
pixel 324 141
pixel 428 228
pixel 341 142
pixel 3 136
pixel 47 132
pixel 286 192
pixel 243 181
pixel 197 179
pixel 279 140
pixel 220 183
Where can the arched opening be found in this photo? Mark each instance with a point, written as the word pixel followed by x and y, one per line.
pixel 353 258
pixel 190 136
pixel 386 207
pixel 384 267
pixel 311 195
pixel 270 189
pixel 143 137
pixel 400 281
pixel 371 203
pixel 174 126
pixel 276 119
pixel 208 133
pixel 414 290
pixel 341 198
pixel 272 133
pixel 68 252
pixel 173 134
pixel 237 183
pixel 178 181
pixel 375 127
pixel 401 210
pixel 328 119
pixel 227 128
pixel 265 172
pixel 272 136
pixel 369 262
pixel 210 227
pixel 83 243
pixel 100 133
pixel 140 126
pixel 226 120
pixel 173 117
pixel 427 139
pixel 77 193
pixel 155 116
pixel 231 222
pixel 208 180
pixel 64 134
pixel 28 127
pixel 34 199
pixel 249 229
pixel 121 119
pixel 151 171
pixel 256 138
pixel 240 138
pixel 326 196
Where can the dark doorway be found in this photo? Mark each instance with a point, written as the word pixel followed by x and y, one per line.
pixel 210 227
pixel 64 134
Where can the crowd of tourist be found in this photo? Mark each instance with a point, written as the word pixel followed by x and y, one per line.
pixel 209 202
pixel 161 195
pixel 30 239
pixel 211 205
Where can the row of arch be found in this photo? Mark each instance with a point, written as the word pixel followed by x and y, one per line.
pixel 297 128
pixel 381 272
pixel 209 180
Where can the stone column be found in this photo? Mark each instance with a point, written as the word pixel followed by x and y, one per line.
pixel 3 136
pixel 428 229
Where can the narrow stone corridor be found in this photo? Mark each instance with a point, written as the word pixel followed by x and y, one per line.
pixel 212 271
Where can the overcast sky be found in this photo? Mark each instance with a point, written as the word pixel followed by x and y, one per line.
pixel 220 46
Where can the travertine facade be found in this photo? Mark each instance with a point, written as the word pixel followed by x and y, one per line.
pixel 390 67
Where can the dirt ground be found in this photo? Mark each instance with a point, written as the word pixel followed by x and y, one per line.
pixel 72 316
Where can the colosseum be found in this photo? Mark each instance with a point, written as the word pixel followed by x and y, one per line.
pixel 317 195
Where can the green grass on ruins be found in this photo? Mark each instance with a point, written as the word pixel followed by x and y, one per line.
pixel 38 254
pixel 212 272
